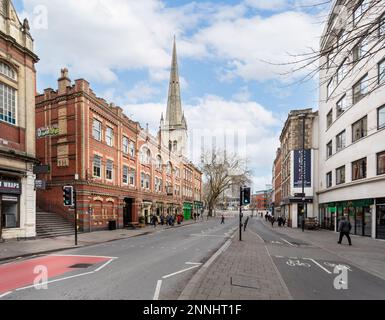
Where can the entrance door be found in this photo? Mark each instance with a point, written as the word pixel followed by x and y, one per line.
pixel 127 211
pixel 300 214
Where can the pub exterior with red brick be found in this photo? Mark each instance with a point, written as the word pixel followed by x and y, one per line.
pixel 121 173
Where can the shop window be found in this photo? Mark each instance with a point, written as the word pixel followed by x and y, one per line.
pixel 9 209
pixel 380 219
pixel 381 163
pixel 360 129
pixel 359 169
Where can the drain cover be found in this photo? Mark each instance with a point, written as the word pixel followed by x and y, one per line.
pixel 81 266
pixel 245 282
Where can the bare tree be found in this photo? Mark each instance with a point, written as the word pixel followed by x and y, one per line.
pixel 221 171
pixel 355 30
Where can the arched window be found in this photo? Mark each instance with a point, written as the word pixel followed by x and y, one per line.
pixel 7 71
pixel 169 168
pixel 8 95
pixel 145 156
pixel 159 162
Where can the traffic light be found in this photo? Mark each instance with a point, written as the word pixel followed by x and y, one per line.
pixel 68 196
pixel 246 196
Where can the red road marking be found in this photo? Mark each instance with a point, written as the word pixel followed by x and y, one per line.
pixel 20 274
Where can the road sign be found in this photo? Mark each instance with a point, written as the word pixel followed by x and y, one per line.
pixel 43 169
pixel 40 185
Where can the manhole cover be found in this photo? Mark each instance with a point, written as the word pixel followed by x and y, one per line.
pixel 81 266
pixel 245 282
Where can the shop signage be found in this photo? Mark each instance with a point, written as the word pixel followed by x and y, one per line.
pixel 10 187
pixel 43 169
pixel 47 132
pixel 298 163
pixel 40 185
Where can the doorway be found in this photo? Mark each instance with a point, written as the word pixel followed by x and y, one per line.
pixel 127 211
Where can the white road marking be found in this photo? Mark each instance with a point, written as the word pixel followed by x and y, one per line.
pixel 218 253
pixel 5 294
pixel 208 235
pixel 57 280
pixel 288 242
pixel 70 277
pixel 78 255
pixel 194 263
pixel 279 257
pixel 181 271
pixel 316 263
pixel 157 290
pixel 103 266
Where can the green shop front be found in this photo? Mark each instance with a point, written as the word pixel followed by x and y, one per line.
pixel 198 206
pixel 359 213
pixel 187 211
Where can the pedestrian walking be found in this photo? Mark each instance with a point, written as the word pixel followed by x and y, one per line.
pixel 344 228
pixel 279 222
pixel 154 220
pixel 223 219
pixel 272 220
pixel 245 225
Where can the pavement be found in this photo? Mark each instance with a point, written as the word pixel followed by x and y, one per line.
pixel 14 249
pixel 242 271
pixel 282 263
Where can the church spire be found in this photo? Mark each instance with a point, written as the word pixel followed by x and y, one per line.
pixel 174 114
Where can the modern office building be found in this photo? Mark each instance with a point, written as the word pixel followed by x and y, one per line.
pixel 352 118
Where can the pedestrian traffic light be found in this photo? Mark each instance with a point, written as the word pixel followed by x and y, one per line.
pixel 246 196
pixel 68 196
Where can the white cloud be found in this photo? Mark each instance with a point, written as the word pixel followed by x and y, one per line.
pixel 97 37
pixel 245 44
pixel 267 4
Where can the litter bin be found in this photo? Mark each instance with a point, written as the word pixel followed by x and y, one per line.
pixel 111 225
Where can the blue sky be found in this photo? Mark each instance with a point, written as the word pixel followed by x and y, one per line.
pixel 123 48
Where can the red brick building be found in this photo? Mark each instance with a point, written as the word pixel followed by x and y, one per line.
pixel 260 200
pixel 277 183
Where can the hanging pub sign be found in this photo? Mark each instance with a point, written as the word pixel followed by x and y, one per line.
pixel 10 187
pixel 47 132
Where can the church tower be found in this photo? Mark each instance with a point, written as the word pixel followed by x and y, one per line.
pixel 174 127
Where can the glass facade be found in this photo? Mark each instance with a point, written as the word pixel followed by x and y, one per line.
pixel 358 212
pixel 380 223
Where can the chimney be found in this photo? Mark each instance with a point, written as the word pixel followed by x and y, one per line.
pixel 63 81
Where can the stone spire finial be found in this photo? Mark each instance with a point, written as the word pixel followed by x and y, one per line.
pixel 26 26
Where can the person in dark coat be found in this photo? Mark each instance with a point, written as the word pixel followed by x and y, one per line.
pixel 223 219
pixel 272 220
pixel 344 228
pixel 154 220
pixel 245 225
